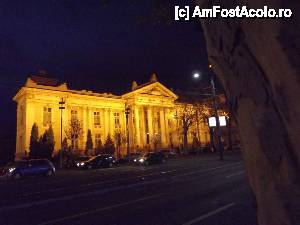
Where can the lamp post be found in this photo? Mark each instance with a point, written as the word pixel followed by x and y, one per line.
pixel 61 107
pixel 215 109
pixel 218 127
pixel 127 112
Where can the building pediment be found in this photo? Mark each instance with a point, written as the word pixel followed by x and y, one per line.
pixel 155 89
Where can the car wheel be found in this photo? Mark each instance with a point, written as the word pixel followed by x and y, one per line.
pixel 146 163
pixel 89 167
pixel 110 165
pixel 49 173
pixel 17 176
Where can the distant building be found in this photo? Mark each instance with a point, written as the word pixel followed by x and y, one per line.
pixel 151 106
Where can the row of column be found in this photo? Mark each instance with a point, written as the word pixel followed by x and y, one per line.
pixel 140 125
pixel 138 129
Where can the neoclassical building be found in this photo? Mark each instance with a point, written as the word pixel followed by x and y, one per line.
pixel 150 110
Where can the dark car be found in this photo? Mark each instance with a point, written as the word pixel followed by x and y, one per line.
pixel 99 161
pixel 72 163
pixel 151 158
pixel 170 153
pixel 32 167
pixel 130 158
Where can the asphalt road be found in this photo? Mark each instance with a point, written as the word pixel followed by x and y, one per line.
pixel 191 190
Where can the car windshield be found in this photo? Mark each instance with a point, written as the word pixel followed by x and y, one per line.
pixel 83 158
pixel 92 158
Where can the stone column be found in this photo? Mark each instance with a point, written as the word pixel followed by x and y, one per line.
pixel 163 127
pixel 150 124
pixel 111 123
pixel 106 124
pixel 167 114
pixel 137 126
pixel 102 123
pixel 84 124
pixel 88 117
pixel 142 128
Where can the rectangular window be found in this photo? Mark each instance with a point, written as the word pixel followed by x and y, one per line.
pixel 117 120
pixel 74 114
pixel 47 116
pixel 97 119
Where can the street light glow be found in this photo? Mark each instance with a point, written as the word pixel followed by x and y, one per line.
pixel 196 75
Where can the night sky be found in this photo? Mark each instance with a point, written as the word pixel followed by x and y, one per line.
pixel 94 46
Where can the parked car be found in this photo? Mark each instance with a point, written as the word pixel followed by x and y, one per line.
pixel 32 167
pixel 130 158
pixel 170 153
pixel 151 158
pixel 99 161
pixel 72 163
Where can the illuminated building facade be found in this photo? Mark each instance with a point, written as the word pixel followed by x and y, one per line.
pixel 151 108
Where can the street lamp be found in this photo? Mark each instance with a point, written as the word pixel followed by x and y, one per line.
pixel 215 107
pixel 61 107
pixel 213 90
pixel 127 112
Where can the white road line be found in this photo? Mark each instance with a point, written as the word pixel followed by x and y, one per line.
pixel 79 195
pixel 209 170
pixel 196 220
pixel 99 210
pixel 235 174
pixel 90 184
pixel 124 179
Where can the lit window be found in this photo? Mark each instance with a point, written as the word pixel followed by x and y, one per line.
pixel 96 119
pixel 117 119
pixel 74 114
pixel 47 116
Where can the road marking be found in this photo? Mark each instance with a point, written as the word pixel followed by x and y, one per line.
pixel 235 174
pixel 124 179
pixel 78 195
pixel 209 170
pixel 169 171
pixel 91 184
pixel 209 214
pixel 100 210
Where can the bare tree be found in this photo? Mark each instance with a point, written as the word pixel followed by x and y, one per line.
pixel 186 115
pixel 120 140
pixel 74 131
pixel 156 140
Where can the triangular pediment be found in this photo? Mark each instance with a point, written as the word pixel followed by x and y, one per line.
pixel 154 89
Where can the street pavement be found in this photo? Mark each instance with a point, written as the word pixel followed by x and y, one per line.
pixel 196 189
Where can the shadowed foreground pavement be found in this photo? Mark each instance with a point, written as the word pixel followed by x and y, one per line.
pixel 191 190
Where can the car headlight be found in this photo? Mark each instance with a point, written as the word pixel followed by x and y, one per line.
pixel 134 160
pixel 12 169
pixel 141 160
pixel 82 164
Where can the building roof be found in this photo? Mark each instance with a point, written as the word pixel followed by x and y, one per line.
pixel 39 80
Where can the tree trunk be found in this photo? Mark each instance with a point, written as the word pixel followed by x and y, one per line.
pixel 258 64
pixel 185 139
pixel 229 127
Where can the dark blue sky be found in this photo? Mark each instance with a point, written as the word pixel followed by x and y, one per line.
pixel 93 46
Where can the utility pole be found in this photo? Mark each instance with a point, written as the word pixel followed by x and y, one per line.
pixel 218 127
pixel 61 107
pixel 127 112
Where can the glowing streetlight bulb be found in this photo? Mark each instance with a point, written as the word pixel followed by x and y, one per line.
pixel 196 75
